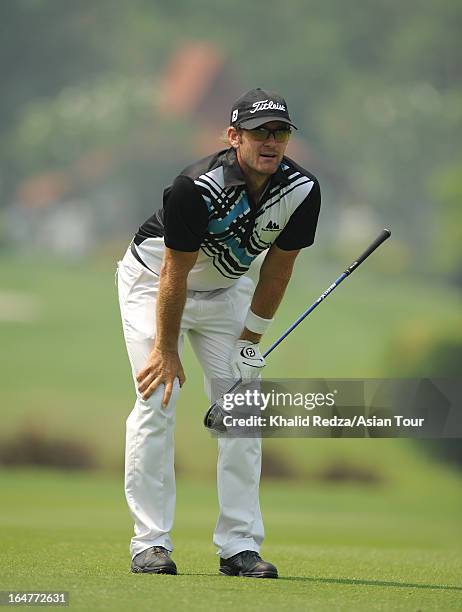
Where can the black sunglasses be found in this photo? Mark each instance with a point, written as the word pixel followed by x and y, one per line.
pixel 262 133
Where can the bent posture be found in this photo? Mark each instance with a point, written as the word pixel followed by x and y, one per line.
pixel 184 274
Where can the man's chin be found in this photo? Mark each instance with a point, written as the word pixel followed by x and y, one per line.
pixel 268 167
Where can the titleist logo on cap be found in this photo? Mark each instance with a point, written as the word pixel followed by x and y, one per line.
pixel 257 107
pixel 266 105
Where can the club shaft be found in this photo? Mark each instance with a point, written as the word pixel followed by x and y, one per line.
pixel 306 313
pixel 370 249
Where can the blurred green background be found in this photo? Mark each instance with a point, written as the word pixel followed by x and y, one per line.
pixel 103 103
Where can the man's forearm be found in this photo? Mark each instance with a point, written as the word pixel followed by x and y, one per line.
pixel 266 299
pixel 268 295
pixel 170 306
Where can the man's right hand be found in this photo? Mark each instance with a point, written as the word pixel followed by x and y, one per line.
pixel 161 369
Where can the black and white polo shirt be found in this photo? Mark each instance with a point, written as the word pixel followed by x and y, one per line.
pixel 208 209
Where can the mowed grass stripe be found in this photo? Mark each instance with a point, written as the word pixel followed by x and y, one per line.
pixel 71 532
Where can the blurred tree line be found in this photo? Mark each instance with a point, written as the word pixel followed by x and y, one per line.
pixel 375 87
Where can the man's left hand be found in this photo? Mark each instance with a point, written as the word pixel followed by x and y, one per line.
pixel 246 360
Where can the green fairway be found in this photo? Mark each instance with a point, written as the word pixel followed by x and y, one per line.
pixel 394 545
pixel 336 548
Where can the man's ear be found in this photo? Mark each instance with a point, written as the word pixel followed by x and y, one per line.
pixel 234 137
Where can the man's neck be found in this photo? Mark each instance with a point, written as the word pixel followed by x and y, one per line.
pixel 257 187
pixel 255 181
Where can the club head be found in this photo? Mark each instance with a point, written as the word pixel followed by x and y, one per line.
pixel 213 419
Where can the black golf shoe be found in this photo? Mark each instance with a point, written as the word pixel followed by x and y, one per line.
pixel 154 560
pixel 247 563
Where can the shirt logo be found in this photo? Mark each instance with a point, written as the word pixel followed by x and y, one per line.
pixel 267 105
pixel 272 225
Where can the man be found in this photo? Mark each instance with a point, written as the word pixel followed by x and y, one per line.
pixel 184 273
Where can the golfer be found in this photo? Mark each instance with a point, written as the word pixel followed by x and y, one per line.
pixel 184 274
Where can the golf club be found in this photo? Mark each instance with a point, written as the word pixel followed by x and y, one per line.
pixel 214 416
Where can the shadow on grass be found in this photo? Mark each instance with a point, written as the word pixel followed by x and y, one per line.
pixel 351 581
pixel 380 583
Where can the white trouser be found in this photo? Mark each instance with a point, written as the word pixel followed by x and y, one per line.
pixel 213 320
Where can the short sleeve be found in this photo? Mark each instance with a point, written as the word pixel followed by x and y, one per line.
pixel 301 227
pixel 185 215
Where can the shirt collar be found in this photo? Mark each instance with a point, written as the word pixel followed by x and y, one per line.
pixel 233 174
